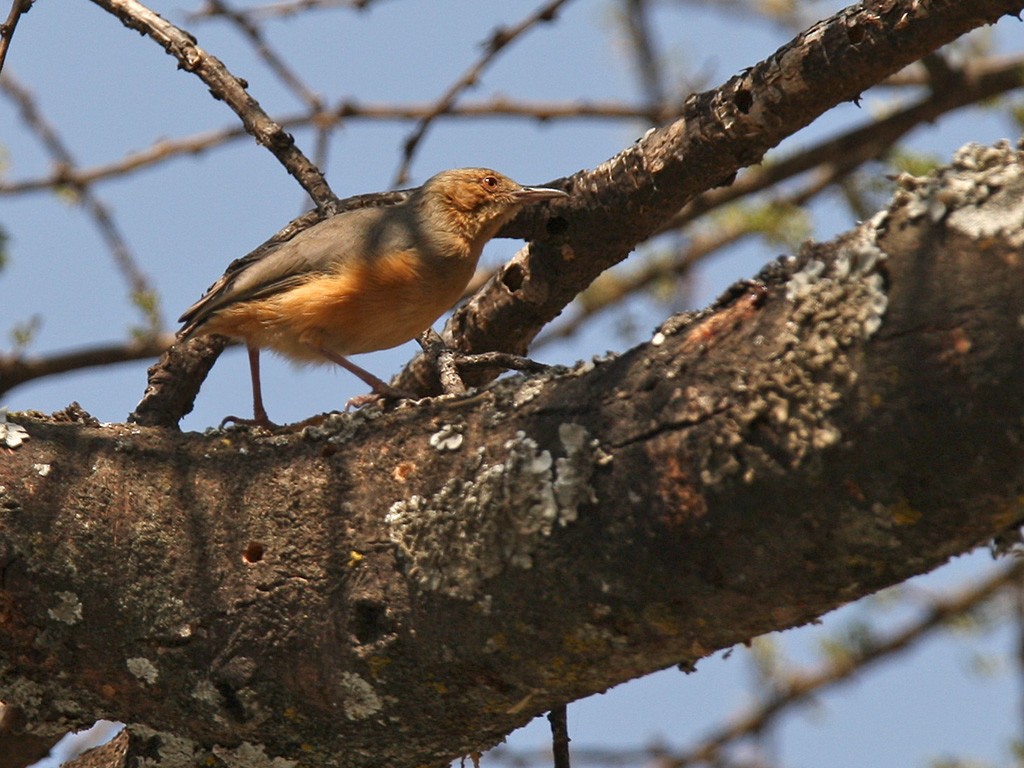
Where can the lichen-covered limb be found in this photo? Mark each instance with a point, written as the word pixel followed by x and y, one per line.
pixel 850 417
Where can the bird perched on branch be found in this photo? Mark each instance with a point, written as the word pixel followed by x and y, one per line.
pixel 362 280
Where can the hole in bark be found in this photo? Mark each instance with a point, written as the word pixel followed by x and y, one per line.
pixel 744 101
pixel 253 552
pixel 557 225
pixel 370 620
pixel 513 278
pixel 231 703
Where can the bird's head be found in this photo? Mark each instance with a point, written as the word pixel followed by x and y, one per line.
pixel 475 202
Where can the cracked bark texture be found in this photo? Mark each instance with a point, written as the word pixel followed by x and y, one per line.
pixel 401 588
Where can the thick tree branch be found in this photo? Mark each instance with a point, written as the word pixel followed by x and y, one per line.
pixel 629 197
pixel 448 570
pixel 834 160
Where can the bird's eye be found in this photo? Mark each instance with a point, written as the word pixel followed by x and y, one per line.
pixel 490 182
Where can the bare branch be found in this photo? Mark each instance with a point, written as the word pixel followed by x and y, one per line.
pixel 496 108
pixel 832 161
pixel 249 29
pixel 633 195
pixel 18 9
pixel 283 9
pixel 143 294
pixel 801 687
pixel 870 141
pixel 229 89
pixel 647 60
pixel 15 371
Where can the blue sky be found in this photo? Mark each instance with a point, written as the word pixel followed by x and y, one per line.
pixel 109 91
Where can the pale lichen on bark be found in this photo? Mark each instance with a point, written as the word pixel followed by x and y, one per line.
pixel 837 299
pixel 978 176
pixel 471 530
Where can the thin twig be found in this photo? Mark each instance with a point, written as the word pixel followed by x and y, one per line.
pixel 1019 621
pixel 505 360
pixel 225 87
pixel 433 345
pixel 559 736
pixel 647 60
pixel 198 143
pixel 801 687
pixel 251 31
pixel 291 8
pixel 449 361
pixel 15 371
pixel 499 40
pixel 126 263
pixel 18 9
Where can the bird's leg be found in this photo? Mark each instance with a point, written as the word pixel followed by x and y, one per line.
pixel 435 348
pixel 379 386
pixel 259 413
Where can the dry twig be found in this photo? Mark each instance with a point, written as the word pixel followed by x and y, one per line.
pixel 499 40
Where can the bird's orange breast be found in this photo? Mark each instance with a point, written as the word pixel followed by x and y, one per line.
pixel 365 305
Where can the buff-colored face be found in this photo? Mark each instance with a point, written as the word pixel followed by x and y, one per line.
pixel 485 197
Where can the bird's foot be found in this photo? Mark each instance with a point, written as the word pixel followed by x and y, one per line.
pixel 263 423
pixel 381 392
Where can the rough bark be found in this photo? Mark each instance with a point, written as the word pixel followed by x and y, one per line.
pixel 631 196
pixel 400 588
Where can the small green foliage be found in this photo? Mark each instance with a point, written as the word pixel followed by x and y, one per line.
pixel 987 665
pixel 777 9
pixel 852 640
pixel 68 194
pixel 1017 750
pixel 779 223
pixel 1016 112
pixel 607 289
pixel 23 333
pixel 958 762
pixel 148 303
pixel 902 160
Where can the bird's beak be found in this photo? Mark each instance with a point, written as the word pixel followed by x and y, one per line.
pixel 536 194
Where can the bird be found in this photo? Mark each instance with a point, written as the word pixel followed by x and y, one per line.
pixel 361 280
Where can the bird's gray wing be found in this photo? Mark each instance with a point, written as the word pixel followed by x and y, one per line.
pixel 318 249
